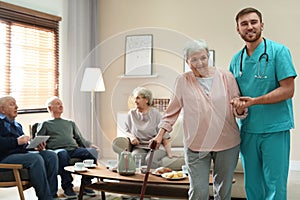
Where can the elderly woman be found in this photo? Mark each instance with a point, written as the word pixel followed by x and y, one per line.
pixel 210 130
pixel 142 126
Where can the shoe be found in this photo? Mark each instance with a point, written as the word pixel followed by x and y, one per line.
pixel 69 193
pixel 89 192
pixel 55 197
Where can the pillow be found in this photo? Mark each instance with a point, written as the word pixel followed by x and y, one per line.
pixel 177 133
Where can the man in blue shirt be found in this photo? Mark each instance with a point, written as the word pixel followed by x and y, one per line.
pixel 42 164
pixel 265 74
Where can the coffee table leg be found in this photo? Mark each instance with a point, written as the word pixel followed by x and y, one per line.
pixel 80 196
pixel 102 192
pixel 103 195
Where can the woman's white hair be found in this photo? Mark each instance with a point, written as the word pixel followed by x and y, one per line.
pixel 144 92
pixel 194 46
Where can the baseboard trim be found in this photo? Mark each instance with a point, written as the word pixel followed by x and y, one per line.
pixel 294 165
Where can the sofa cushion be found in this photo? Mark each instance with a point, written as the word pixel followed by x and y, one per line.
pixel 8 175
pixel 174 163
pixel 177 133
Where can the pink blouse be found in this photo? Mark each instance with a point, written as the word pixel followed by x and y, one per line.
pixel 209 122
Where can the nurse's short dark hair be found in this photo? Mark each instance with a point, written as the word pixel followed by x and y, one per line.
pixel 246 11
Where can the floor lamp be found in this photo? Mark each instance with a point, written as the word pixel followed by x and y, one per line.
pixel 92 81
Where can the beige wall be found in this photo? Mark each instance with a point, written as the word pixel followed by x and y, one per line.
pixel 29 119
pixel 172 22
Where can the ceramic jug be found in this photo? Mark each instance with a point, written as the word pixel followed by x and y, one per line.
pixel 126 165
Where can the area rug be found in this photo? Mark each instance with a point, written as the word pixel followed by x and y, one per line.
pixel 109 196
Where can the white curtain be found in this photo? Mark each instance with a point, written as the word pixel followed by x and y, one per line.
pixel 80 37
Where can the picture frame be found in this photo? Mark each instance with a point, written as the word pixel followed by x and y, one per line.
pixel 138 55
pixel 211 61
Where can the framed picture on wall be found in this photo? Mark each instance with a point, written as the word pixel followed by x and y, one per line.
pixel 138 57
pixel 211 61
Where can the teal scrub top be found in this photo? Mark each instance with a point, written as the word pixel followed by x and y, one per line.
pixel 265 118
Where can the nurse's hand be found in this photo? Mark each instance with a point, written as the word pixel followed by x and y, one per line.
pixel 241 102
pixel 247 101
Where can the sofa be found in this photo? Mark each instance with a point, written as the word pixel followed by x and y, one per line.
pixel 121 142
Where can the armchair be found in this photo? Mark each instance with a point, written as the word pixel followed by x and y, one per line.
pixel 15 176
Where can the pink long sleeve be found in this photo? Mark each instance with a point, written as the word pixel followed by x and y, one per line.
pixel 208 121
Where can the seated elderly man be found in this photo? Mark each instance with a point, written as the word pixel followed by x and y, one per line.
pixel 67 141
pixel 42 165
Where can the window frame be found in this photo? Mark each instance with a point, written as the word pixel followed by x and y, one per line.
pixel 13 13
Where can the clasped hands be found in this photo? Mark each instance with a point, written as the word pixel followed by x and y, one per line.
pixel 241 103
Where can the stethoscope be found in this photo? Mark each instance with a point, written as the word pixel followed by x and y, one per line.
pixel 258 75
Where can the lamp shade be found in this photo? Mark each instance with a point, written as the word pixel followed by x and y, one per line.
pixel 92 80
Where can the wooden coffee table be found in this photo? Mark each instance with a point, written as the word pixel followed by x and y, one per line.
pixel 109 181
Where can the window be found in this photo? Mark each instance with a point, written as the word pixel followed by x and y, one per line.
pixel 29 56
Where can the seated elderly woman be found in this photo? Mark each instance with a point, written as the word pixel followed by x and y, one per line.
pixel 141 126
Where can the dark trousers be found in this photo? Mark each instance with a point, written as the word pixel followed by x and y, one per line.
pixel 64 157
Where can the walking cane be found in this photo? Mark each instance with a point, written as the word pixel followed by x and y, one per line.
pixel 152 147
